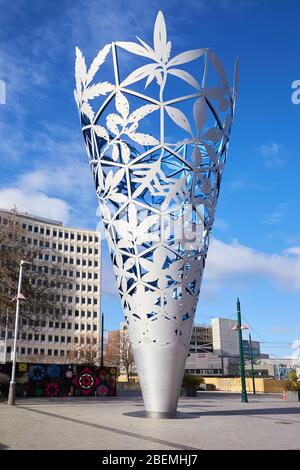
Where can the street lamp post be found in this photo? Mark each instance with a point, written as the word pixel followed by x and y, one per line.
pixel 18 298
pixel 244 398
pixel 252 368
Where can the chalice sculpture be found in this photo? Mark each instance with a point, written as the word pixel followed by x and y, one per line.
pixel 157 139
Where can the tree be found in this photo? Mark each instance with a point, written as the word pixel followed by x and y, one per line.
pixel 84 353
pixel 118 352
pixel 112 353
pixel 126 355
pixel 42 282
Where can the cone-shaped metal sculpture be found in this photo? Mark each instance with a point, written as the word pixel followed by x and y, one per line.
pixel 156 138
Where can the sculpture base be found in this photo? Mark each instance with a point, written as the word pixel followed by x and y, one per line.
pixel 160 415
pixel 160 371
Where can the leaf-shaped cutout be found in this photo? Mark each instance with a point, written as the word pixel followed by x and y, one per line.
pixel 123 243
pixel 97 89
pixel 139 74
pixel 115 152
pixel 215 93
pixel 214 134
pixel 141 112
pixel 122 105
pixel 134 48
pixel 160 35
pixel 200 112
pixel 224 104
pixel 179 118
pixel 76 98
pixel 132 216
pixel 80 70
pixel 98 60
pixel 113 121
pixel 219 68
pixel 118 177
pixel 100 178
pixel 118 197
pixel 143 139
pixel 125 152
pixel 101 132
pixel 87 110
pixel 185 57
pixel 185 76
pixel 108 181
pixel 196 156
pixel 211 153
pixel 150 78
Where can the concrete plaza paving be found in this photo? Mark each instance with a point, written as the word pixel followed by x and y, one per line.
pixel 213 420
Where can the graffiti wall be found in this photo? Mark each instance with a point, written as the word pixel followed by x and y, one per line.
pixel 59 380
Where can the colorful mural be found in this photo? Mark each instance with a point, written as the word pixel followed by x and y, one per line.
pixel 59 380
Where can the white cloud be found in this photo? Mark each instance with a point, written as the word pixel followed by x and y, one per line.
pixel 233 262
pixel 272 153
pixel 34 202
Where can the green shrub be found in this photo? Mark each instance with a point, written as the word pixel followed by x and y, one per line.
pixel 191 381
pixel 292 384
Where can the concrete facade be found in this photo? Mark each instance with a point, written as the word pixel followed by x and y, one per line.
pixel 77 326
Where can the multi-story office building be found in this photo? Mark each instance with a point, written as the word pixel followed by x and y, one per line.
pixel 74 330
pixel 201 339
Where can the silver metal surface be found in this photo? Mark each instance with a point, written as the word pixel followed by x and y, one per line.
pixel 156 138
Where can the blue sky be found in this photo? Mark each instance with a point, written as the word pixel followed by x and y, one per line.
pixel 255 252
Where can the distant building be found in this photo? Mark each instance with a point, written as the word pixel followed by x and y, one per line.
pixel 78 329
pixel 220 354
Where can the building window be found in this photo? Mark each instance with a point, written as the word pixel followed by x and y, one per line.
pixel 49 352
pixel 56 339
pixel 43 337
pixel 69 339
pixel 22 350
pixel 50 338
pixel 35 351
pixel 62 339
pixel 55 352
pixel 82 327
pixel 94 327
pixel 69 326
